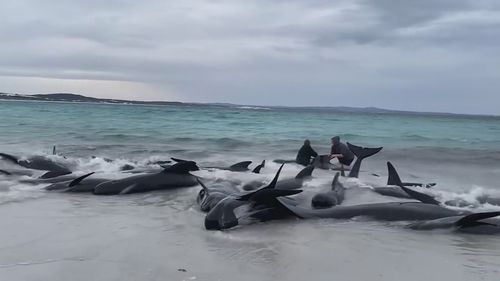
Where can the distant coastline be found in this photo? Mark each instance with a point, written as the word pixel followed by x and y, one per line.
pixel 75 98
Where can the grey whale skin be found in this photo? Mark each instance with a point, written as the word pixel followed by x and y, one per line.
pixel 391 211
pixel 172 177
pixel 39 163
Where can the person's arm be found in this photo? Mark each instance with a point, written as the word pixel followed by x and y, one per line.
pixel 336 156
pixel 313 153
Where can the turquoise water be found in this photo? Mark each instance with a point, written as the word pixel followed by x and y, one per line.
pixel 40 125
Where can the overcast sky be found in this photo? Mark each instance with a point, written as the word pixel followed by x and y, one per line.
pixel 426 55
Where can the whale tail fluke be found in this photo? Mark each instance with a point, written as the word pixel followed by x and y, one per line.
pixel 475 219
pixel 259 167
pixel 361 153
pixel 306 172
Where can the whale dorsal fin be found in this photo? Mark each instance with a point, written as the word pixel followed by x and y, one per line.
pixel 182 168
pixel 240 166
pixel 271 185
pixel 306 172
pixel 422 197
pixel 393 177
pixel 335 181
pixel 259 167
pixel 178 160
pixel 79 179
pixel 474 219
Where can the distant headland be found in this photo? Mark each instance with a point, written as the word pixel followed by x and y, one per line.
pixel 70 97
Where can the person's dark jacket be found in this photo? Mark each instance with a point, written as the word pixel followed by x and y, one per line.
pixel 304 155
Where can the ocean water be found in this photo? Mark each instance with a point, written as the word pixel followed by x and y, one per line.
pixel 150 236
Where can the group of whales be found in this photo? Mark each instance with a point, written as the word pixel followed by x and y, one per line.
pixel 228 205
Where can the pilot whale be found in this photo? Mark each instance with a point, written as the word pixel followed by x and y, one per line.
pixel 172 177
pixel 477 223
pixel 38 163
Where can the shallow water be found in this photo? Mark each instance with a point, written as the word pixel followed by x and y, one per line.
pixel 151 236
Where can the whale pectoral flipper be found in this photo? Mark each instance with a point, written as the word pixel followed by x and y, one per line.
pixel 5 172
pixel 78 180
pixel 9 157
pixel 474 219
pixel 53 174
pixel 269 194
pixel 202 185
pixel 129 189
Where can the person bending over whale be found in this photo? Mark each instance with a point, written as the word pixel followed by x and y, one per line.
pixel 340 151
pixel 306 152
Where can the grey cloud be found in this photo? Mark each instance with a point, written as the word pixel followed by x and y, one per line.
pixel 359 53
